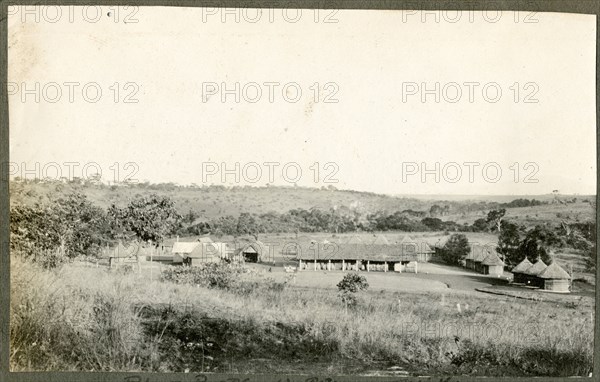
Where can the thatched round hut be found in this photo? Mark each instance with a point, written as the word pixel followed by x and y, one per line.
pixel 492 265
pixel 532 274
pixel 518 271
pixel 555 278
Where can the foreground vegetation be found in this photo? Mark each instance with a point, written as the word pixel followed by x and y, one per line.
pixel 251 323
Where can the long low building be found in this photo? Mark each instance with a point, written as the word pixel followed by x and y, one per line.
pixel 360 257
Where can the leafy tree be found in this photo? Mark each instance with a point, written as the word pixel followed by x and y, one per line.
pixel 85 225
pixel 350 285
pixel 456 249
pixel 433 224
pixel 435 210
pixel 66 228
pixel 247 225
pixel 225 225
pixel 509 241
pixel 150 217
pixel 190 217
pixel 537 242
pixel 480 225
pixel 495 217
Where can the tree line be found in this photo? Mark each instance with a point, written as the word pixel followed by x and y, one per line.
pixel 73 226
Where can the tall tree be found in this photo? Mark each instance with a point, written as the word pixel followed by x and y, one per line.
pixel 456 249
pixel 149 217
pixel 537 243
pixel 509 241
pixel 495 217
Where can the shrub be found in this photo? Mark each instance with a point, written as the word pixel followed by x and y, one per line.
pixel 351 284
pixel 212 275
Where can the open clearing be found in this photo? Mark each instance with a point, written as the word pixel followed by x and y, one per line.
pixel 405 324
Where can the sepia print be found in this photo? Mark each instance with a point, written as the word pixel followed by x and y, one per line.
pixel 301 192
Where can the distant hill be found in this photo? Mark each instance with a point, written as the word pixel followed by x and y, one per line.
pixel 495 198
pixel 215 201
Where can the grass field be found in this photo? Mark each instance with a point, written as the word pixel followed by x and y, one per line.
pixel 62 321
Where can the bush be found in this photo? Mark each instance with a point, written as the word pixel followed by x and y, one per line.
pixel 212 275
pixel 351 284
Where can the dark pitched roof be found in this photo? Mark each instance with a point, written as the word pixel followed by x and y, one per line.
pixel 536 268
pixel 522 266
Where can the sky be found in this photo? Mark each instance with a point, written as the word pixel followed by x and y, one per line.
pixel 393 102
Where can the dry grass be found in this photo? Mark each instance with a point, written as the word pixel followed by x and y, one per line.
pixel 91 319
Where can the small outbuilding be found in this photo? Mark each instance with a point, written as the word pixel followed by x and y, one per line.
pixel 253 252
pixel 532 274
pixel 492 265
pixel 182 249
pixel 519 276
pixel 556 279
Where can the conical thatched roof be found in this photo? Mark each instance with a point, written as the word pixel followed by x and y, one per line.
pixel 380 240
pixel 536 268
pixel 554 271
pixel 480 253
pixel 522 266
pixel 354 240
pixel 406 240
pixel 492 259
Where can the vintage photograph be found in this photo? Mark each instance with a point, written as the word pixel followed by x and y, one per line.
pixel 301 192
